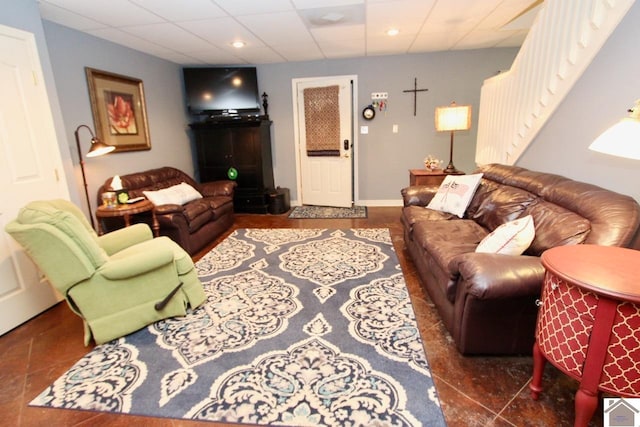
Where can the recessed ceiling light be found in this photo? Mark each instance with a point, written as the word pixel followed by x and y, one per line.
pixel 393 32
pixel 238 44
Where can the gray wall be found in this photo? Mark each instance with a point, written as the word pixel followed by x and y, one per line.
pixel 71 51
pixel 599 99
pixel 385 157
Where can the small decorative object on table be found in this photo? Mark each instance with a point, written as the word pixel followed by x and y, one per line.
pixel 432 163
pixel 122 196
pixel 109 200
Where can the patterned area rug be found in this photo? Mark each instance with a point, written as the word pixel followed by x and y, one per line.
pixel 300 327
pixel 318 212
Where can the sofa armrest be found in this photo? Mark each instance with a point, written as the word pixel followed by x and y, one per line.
pixel 217 188
pixel 495 276
pixel 168 209
pixel 418 195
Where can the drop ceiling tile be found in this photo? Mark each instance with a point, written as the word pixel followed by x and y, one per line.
pixel 506 12
pixel 69 19
pixel 346 32
pixel 127 40
pixel 115 13
pixel 217 57
pixel 431 42
pixel 270 28
pixel 383 45
pixel 252 7
pixel 469 14
pixel 343 49
pixel 299 52
pixel 179 58
pixel 222 32
pixel 260 55
pixel 173 10
pixel 406 15
pixel 170 36
pixel 315 4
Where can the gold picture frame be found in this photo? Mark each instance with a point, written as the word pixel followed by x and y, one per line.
pixel 119 110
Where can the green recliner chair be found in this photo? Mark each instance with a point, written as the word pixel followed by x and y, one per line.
pixel 119 282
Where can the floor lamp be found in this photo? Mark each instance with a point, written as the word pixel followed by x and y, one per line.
pixel 623 138
pixel 452 118
pixel 98 148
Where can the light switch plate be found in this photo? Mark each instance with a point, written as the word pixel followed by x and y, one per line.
pixel 364 130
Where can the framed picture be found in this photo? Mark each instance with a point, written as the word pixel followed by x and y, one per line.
pixel 119 112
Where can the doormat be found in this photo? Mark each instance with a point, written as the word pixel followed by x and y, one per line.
pixel 301 327
pixel 327 212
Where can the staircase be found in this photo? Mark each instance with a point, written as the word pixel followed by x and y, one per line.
pixel 514 105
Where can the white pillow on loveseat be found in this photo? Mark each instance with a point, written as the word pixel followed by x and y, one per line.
pixel 511 238
pixel 175 195
pixel 455 193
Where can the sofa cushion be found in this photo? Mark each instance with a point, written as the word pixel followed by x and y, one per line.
pixel 197 213
pixel 435 237
pixel 511 238
pixel 455 193
pixel 500 205
pixel 413 214
pixel 556 226
pixel 174 195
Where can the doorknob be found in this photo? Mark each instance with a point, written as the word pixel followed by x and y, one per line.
pixel 346 144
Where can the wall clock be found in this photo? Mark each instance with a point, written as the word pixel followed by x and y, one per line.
pixel 368 113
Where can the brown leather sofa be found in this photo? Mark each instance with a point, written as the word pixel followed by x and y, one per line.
pixel 194 224
pixel 487 302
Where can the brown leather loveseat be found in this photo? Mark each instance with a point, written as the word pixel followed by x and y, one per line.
pixel 194 224
pixel 487 301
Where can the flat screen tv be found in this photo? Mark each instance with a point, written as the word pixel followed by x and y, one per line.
pixel 222 90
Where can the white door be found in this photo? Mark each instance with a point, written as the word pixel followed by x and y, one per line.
pixel 30 169
pixel 325 176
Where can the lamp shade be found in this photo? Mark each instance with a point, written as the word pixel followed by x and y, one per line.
pixel 98 148
pixel 623 138
pixel 453 117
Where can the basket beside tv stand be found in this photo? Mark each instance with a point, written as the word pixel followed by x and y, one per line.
pixel 244 145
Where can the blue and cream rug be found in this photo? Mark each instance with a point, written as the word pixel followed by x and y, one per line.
pixel 300 327
pixel 327 212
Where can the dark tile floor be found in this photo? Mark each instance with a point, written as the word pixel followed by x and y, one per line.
pixel 474 391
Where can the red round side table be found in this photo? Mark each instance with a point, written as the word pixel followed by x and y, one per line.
pixel 589 322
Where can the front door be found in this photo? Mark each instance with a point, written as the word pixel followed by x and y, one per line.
pixel 325 146
pixel 30 169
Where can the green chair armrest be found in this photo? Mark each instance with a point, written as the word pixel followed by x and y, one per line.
pixel 123 238
pixel 136 264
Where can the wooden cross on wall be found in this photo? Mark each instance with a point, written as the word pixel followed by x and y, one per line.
pixel 415 91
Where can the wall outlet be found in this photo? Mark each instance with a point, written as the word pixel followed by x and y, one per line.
pixel 379 95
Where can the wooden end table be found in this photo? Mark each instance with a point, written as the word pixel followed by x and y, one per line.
pixel 589 322
pixel 125 211
pixel 428 177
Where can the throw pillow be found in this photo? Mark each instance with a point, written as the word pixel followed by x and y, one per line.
pixel 455 194
pixel 174 195
pixel 511 238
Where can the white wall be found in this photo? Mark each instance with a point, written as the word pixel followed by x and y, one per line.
pixel 599 99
